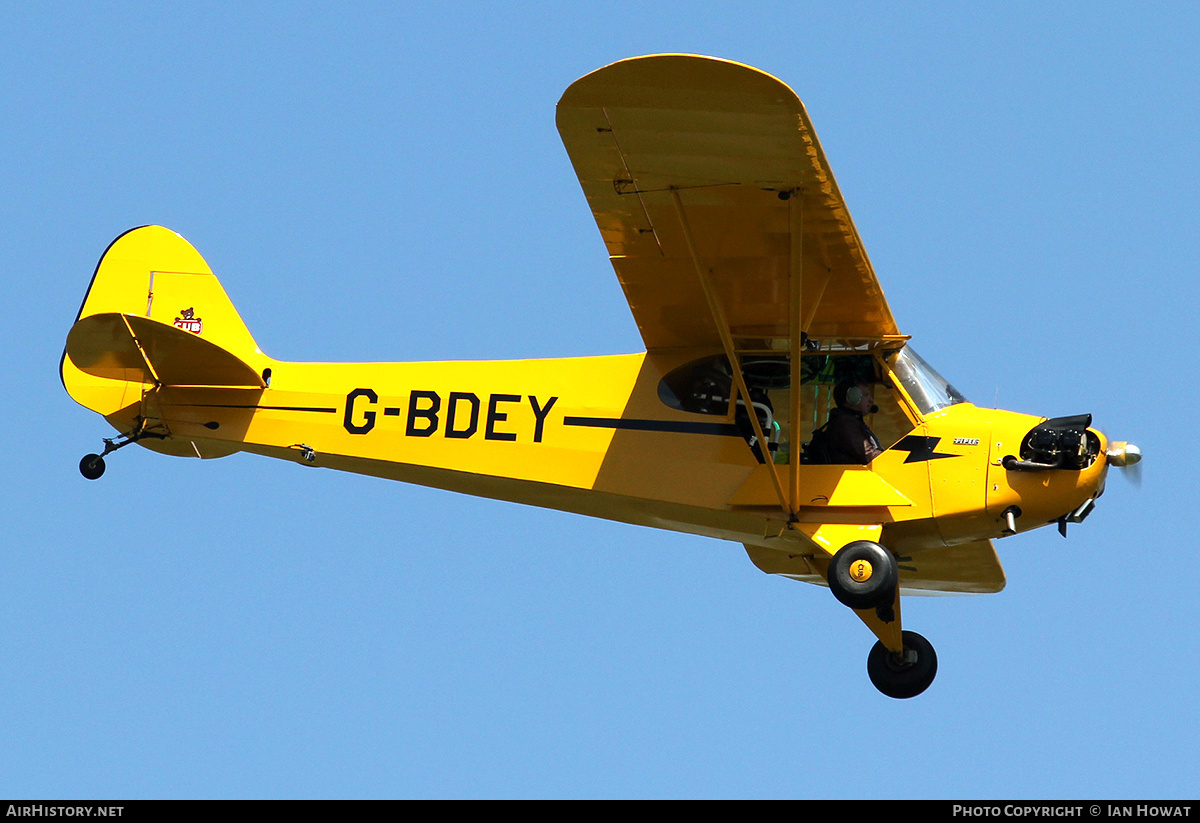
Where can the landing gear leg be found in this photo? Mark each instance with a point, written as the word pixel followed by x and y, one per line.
pixel 906 674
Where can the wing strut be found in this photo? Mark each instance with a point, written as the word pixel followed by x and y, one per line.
pixel 795 285
pixel 718 315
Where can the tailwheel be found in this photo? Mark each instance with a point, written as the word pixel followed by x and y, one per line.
pixel 904 675
pixel 91 466
pixel 863 575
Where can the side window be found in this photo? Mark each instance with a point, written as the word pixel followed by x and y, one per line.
pixel 707 387
pixel 701 387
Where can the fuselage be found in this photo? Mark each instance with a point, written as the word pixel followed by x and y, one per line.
pixel 594 436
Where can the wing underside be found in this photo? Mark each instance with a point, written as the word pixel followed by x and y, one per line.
pixel 691 161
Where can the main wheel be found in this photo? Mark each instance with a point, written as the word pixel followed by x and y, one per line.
pixel 907 677
pixel 863 575
pixel 91 466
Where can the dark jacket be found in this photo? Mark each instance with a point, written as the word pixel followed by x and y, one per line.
pixel 840 441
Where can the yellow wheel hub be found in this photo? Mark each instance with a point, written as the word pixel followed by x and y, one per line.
pixel 861 571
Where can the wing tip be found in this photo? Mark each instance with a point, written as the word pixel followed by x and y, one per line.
pixel 668 68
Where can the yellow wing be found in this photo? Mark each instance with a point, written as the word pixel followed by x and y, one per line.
pixel 736 145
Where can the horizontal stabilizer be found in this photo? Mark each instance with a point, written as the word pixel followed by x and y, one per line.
pixel 129 347
pixel 968 568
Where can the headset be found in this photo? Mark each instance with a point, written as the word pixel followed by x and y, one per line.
pixel 851 396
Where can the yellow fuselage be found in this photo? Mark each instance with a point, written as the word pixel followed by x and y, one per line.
pixel 590 435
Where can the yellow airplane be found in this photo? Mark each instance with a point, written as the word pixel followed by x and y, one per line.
pixel 763 321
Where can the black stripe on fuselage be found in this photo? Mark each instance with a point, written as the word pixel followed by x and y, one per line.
pixel 673 426
pixel 319 409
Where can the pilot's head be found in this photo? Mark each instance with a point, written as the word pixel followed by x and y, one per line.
pixel 855 397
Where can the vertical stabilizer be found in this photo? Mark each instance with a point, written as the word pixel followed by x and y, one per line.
pixel 151 293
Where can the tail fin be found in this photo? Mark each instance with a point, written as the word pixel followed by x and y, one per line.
pixel 154 316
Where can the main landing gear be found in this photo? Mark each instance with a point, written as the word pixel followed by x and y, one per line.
pixel 906 674
pixel 865 576
pixel 92 465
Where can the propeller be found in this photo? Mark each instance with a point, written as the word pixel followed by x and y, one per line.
pixel 1128 457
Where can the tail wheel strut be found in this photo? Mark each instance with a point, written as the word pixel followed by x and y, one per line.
pixel 92 465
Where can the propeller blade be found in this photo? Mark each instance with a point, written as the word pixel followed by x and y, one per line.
pixel 1134 473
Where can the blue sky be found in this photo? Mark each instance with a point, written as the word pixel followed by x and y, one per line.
pixel 385 182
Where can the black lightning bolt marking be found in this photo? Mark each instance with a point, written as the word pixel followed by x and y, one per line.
pixel 920 448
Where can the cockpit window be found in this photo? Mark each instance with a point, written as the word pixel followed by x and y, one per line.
pixel 928 389
pixel 705 387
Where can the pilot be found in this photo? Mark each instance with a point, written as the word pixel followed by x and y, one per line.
pixel 846 438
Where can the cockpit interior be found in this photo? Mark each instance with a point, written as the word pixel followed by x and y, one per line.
pixel 706 386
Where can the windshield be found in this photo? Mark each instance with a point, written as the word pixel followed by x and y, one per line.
pixel 928 389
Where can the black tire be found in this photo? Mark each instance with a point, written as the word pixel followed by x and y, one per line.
pixel 91 466
pixel 877 590
pixel 907 678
